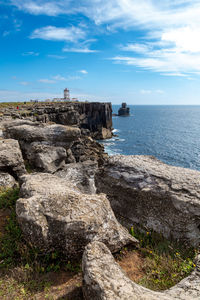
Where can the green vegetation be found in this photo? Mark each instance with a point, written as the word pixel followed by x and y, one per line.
pixel 28 167
pixel 165 262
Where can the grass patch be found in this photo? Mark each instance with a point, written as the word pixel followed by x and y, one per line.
pixel 165 262
pixel 28 167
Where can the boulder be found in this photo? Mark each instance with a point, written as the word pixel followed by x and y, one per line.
pixel 45 147
pixel 103 279
pixel 55 215
pixel 11 160
pixel 157 196
pixel 46 158
pixel 82 175
pixel 56 135
pixel 7 181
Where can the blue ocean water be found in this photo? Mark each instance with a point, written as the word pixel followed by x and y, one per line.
pixel 170 133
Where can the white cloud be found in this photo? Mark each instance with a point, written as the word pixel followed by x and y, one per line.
pixel 59 78
pixel 145 92
pixel 25 83
pixel 56 56
pixel 83 71
pixel 38 7
pixel 73 78
pixel 30 53
pixel 137 48
pixel 5 33
pixel 79 50
pixel 52 33
pixel 120 13
pixel 185 39
pixel 170 44
pixel 160 92
pixel 14 95
pixel 49 81
pixel 148 92
pixel 17 24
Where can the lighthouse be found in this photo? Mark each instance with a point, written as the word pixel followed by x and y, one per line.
pixel 66 95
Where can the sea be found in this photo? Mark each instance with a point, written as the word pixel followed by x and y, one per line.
pixel 170 133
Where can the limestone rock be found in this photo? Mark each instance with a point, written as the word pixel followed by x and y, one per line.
pixel 106 134
pixel 46 158
pixel 54 214
pixel 70 158
pixel 45 147
pixel 56 135
pixel 146 191
pixel 11 160
pixel 94 116
pixel 103 279
pixel 87 149
pixel 7 181
pixel 82 175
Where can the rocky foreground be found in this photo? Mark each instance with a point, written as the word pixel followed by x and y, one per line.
pixel 75 199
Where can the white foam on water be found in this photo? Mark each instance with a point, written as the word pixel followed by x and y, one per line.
pixel 115 130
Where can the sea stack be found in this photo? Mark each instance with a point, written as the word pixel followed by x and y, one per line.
pixel 124 110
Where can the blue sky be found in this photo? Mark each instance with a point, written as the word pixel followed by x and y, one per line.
pixel 138 51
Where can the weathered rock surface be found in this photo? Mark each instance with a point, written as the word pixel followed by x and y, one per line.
pixel 7 181
pixel 146 191
pixel 82 175
pixel 11 160
pixel 55 215
pixel 124 110
pixel 46 158
pixel 87 149
pixel 45 147
pixel 56 135
pixel 94 116
pixel 103 279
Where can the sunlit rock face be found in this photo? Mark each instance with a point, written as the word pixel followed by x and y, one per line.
pixel 55 215
pixel 145 191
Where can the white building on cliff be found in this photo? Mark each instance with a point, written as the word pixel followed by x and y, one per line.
pixel 66 97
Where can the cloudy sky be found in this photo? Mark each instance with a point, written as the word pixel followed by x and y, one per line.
pixel 138 51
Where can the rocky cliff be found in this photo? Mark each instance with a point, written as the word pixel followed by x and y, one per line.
pixel 93 118
pixel 62 206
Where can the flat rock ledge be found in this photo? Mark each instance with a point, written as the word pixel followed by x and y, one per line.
pixel 103 279
pixel 55 215
pixel 157 196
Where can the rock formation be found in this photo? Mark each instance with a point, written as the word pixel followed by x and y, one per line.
pixel 11 160
pixel 55 215
pixel 7 181
pixel 49 147
pixel 124 110
pixel 81 175
pixel 157 196
pixel 95 117
pixel 59 208
pixel 103 279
